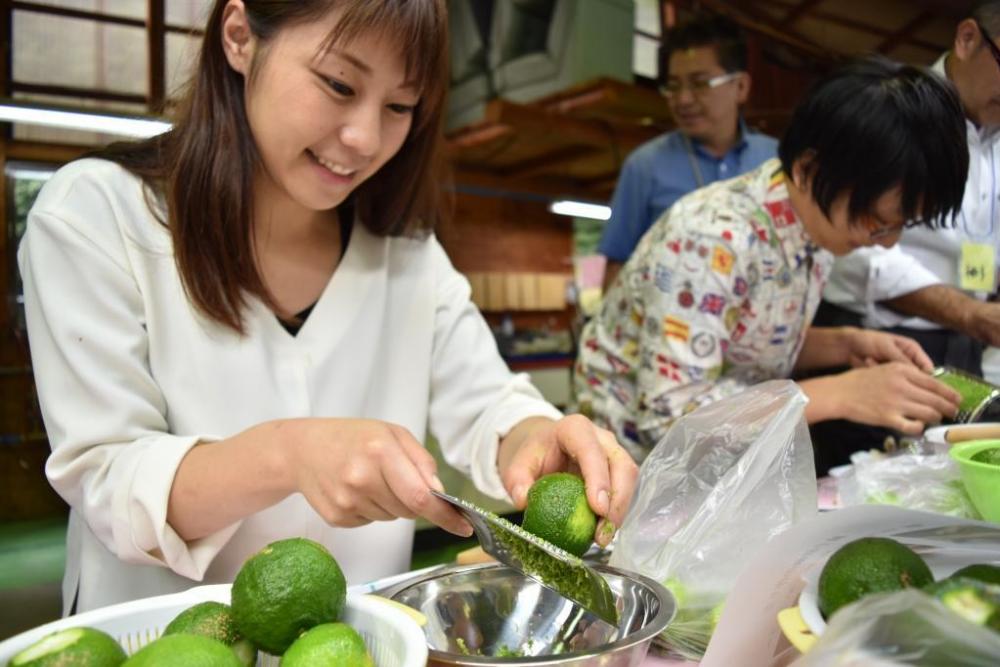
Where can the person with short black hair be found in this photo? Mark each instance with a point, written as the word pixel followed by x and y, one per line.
pixel 931 286
pixel 720 293
pixel 703 65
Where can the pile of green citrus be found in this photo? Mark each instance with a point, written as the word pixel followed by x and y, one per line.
pixel 287 600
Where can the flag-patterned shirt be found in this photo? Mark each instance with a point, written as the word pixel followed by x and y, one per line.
pixel 717 296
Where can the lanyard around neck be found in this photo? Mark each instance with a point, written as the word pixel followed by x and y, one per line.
pixel 695 169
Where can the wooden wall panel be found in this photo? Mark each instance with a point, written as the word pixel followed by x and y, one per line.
pixel 495 234
pixel 775 90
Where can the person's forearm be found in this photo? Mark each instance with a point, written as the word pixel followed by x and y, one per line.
pixel 824 347
pixel 942 304
pixel 822 399
pixel 222 482
pixel 611 269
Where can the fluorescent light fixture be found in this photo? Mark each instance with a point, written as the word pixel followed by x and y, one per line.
pixel 72 119
pixel 579 209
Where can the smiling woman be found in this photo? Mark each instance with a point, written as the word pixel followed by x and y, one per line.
pixel 309 52
pixel 270 326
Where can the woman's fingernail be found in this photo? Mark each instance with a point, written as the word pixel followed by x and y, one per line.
pixel 605 532
pixel 518 495
pixel 603 501
pixel 436 484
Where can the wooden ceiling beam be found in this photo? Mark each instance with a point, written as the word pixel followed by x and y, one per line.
pixel 544 165
pixel 478 135
pixel 532 119
pixel 904 34
pixel 602 133
pixel 949 8
pixel 610 97
pixel 752 20
pixel 796 12
pixel 871 29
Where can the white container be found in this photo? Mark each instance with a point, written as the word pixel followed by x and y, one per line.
pixel 393 638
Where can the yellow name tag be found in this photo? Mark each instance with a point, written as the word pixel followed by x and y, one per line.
pixel 978 270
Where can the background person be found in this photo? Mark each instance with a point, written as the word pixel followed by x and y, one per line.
pixel 706 81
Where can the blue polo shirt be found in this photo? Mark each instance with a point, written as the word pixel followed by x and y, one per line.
pixel 659 172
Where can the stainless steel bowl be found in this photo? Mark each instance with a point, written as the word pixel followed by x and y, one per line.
pixel 482 614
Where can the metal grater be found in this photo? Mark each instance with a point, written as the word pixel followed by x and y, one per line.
pixel 976 392
pixel 529 554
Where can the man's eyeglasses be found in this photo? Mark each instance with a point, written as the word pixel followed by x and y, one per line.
pixel 674 87
pixel 994 51
pixel 877 231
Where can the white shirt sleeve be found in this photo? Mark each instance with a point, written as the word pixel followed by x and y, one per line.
pixel 113 459
pixel 893 273
pixel 923 256
pixel 868 276
pixel 475 399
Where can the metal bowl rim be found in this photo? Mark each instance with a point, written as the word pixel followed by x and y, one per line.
pixel 655 626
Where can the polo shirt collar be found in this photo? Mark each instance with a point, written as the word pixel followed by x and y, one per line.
pixel 737 148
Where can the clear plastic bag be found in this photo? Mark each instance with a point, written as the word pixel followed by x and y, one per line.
pixel 932 483
pixel 906 627
pixel 722 481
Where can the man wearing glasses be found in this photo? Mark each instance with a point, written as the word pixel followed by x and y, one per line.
pixel 935 285
pixel 705 62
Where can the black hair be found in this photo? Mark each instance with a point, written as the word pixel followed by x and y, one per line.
pixel 706 30
pixel 874 124
pixel 987 14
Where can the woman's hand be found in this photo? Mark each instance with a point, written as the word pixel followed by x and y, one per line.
pixel 866 347
pixel 538 446
pixel 355 471
pixel 895 395
pixel 352 472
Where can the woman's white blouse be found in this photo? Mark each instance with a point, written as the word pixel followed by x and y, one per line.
pixel 131 376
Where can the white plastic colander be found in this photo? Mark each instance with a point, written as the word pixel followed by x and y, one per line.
pixel 393 638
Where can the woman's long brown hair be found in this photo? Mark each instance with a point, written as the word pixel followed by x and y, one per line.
pixel 203 169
